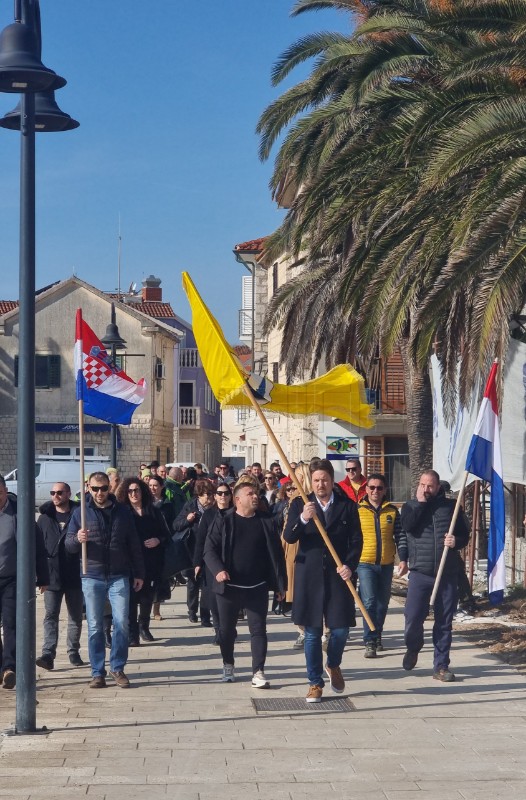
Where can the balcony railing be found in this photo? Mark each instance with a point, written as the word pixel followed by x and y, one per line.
pixel 189 417
pixel 387 400
pixel 189 357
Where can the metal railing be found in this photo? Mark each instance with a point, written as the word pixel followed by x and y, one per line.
pixel 387 401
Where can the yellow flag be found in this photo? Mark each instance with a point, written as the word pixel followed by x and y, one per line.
pixel 339 393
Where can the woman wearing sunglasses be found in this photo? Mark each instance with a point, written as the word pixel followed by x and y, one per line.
pixel 153 533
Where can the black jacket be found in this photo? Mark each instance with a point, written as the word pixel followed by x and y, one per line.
pixel 197 529
pixel 64 568
pixel 112 550
pixel 151 525
pixel 41 565
pixel 220 543
pixel 424 526
pixel 319 592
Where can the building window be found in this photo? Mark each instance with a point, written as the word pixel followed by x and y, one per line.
pixel 47 372
pixel 210 401
pixel 242 415
pixel 186 393
pixel 275 285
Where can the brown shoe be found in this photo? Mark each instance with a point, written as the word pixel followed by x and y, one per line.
pixel 120 679
pixel 336 678
pixel 9 679
pixel 97 682
pixel 314 694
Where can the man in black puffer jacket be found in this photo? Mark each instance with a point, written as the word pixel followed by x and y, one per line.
pixel 425 524
pixel 114 561
pixel 64 577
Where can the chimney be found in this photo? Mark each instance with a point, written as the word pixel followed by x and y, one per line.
pixel 151 289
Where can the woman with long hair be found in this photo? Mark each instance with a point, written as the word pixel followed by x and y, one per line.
pixel 153 532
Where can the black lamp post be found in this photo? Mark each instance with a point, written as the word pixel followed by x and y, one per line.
pixel 21 70
pixel 113 340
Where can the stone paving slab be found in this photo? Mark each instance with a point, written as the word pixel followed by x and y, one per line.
pixel 180 733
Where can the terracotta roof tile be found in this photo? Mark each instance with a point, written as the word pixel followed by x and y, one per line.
pixel 7 305
pixel 254 245
pixel 154 308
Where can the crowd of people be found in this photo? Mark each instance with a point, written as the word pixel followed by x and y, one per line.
pixel 243 537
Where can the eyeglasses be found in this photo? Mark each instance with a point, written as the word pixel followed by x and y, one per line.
pixel 56 491
pixel 225 494
pixel 134 491
pixel 223 467
pixel 269 477
pixel 351 469
pixel 100 488
pixel 291 489
pixel 376 488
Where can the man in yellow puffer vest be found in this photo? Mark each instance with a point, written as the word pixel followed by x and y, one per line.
pixel 381 528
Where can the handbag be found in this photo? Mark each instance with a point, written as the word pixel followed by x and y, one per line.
pixel 177 554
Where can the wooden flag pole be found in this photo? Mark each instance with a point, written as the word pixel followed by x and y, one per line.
pixel 305 499
pixel 82 482
pixel 446 548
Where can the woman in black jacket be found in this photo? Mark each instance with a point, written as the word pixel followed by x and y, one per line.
pixel 191 518
pixel 153 533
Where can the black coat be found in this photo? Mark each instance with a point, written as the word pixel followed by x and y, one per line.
pixel 113 550
pixel 219 545
pixel 319 592
pixel 424 526
pixel 151 525
pixel 64 568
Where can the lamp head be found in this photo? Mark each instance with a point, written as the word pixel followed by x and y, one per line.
pixel 21 69
pixel 49 118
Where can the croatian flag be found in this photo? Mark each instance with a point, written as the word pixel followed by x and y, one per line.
pixel 108 393
pixel 484 460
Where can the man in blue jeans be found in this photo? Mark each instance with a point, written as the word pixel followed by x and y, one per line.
pixel 320 592
pixel 114 560
pixel 381 528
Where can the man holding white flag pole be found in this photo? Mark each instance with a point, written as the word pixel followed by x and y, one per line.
pixel 483 460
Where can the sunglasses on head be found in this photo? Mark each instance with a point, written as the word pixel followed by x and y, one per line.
pixel 100 488
pixel 56 491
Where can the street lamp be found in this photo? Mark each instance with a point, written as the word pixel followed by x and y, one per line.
pixel 113 340
pixel 21 70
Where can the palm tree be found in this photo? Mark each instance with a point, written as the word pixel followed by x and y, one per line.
pixel 395 148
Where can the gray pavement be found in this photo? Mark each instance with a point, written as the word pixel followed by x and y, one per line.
pixel 180 733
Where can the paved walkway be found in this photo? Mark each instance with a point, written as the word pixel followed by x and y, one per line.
pixel 179 733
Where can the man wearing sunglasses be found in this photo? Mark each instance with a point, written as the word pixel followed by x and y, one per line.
pixel 381 529
pixel 64 577
pixel 354 482
pixel 114 561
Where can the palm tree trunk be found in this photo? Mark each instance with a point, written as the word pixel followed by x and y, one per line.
pixel 419 415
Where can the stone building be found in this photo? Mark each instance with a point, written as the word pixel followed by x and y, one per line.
pixel 152 352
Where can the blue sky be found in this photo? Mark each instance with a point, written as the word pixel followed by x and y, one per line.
pixel 168 94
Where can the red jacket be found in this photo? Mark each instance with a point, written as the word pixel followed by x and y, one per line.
pixel 349 490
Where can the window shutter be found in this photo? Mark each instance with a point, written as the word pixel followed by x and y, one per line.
pixel 246 304
pixel 374 455
pixel 393 388
pixel 16 370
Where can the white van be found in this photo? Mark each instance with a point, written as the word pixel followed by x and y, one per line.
pixel 48 472
pixel 186 464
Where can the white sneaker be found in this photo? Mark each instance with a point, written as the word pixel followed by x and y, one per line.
pixel 299 644
pixel 228 673
pixel 259 680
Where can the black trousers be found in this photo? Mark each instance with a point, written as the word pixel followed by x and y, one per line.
pixel 255 603
pixel 416 610
pixel 197 595
pixel 141 602
pixel 8 617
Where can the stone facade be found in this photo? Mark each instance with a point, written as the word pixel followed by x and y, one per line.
pixel 149 343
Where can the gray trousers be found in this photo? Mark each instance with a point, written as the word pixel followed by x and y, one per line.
pixel 52 603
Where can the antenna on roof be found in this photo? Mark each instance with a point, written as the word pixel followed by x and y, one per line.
pixel 119 262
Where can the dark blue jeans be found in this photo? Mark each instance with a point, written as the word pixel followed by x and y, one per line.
pixel 417 608
pixel 8 615
pixel 314 652
pixel 375 592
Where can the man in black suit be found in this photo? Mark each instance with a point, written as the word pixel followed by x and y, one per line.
pixel 320 594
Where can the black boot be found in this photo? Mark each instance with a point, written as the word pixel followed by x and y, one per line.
pixel 144 633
